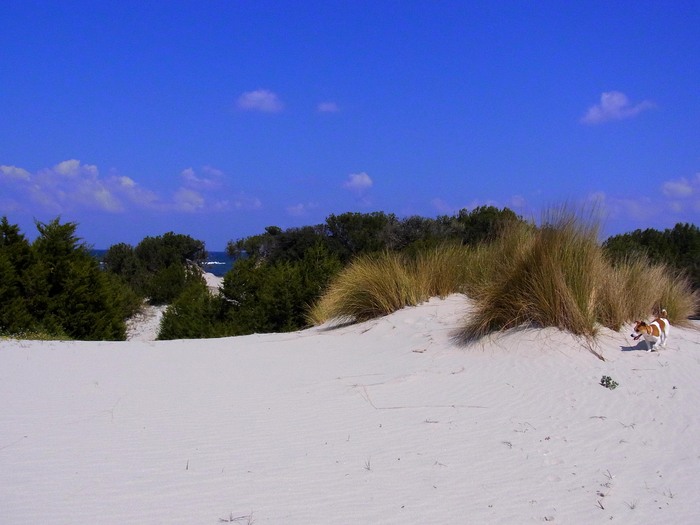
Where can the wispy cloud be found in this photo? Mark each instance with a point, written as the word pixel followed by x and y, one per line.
pixel 358 182
pixel 301 209
pixel 210 179
pixel 681 188
pixel 13 172
pixel 262 100
pixel 327 107
pixel 71 186
pixel 188 200
pixel 672 201
pixel 614 105
pixel 683 194
pixel 67 185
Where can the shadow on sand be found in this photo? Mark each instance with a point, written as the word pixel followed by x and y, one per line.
pixel 641 346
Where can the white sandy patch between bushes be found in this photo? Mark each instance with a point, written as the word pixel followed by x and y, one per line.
pixel 145 325
pixel 213 282
pixel 386 422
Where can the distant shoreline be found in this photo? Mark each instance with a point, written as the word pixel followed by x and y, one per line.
pixel 217 263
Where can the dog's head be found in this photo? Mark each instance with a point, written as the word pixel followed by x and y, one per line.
pixel 640 328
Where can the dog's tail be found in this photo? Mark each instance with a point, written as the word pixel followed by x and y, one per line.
pixel 664 313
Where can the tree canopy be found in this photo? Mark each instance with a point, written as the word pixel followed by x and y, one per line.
pixel 54 286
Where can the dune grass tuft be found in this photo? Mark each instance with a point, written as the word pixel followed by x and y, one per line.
pixel 370 287
pixel 551 280
pixel 376 285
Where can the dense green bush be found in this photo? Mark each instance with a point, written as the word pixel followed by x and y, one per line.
pixel 54 286
pixel 195 313
pixel 15 259
pixel 275 297
pixel 159 267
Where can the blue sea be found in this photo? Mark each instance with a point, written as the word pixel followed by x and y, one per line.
pixel 218 263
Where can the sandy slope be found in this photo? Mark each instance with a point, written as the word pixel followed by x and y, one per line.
pixel 213 282
pixel 389 421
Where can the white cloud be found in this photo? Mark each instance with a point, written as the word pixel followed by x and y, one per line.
pixel 213 180
pixel 327 107
pixel 104 199
pixel 358 182
pixel 683 194
pixel 71 185
pixel 262 100
pixel 13 172
pixel 680 188
pixel 133 193
pixel 125 182
pixel 614 105
pixel 188 200
pixel 672 201
pixel 637 209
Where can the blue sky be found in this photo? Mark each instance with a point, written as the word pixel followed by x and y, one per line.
pixel 218 118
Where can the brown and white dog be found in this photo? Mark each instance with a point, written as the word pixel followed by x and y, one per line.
pixel 655 331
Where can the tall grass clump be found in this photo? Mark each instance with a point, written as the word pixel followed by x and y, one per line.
pixel 379 284
pixel 635 288
pixel 369 287
pixel 550 277
pixel 558 275
pixel 630 290
pixel 441 270
pixel 488 263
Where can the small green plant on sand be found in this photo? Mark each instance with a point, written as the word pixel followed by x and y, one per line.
pixel 608 382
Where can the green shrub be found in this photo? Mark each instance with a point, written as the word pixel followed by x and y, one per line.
pixel 275 297
pixel 194 314
pixel 55 287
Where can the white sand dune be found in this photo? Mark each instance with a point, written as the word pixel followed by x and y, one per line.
pixel 385 422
